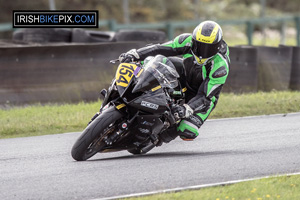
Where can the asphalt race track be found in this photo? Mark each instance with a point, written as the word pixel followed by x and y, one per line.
pixel 42 167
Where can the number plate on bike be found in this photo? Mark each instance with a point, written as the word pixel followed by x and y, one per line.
pixel 124 74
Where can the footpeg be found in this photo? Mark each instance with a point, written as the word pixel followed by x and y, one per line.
pixel 147 148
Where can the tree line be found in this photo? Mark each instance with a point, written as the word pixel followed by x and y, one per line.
pixel 159 10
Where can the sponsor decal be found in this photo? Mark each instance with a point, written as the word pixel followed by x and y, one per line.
pixel 147 123
pixel 149 105
pixel 124 125
pixel 143 130
pixel 156 88
pixel 120 106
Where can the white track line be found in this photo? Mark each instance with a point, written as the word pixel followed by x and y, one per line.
pixel 256 116
pixel 191 187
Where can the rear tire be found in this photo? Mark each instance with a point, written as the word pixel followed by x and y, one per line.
pixel 94 132
pixel 140 35
pixel 46 35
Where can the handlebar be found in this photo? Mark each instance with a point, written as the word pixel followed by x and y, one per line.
pixel 118 60
pixel 174 118
pixel 114 61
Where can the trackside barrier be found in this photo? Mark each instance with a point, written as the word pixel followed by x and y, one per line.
pixel 295 71
pixel 73 72
pixel 243 70
pixel 64 73
pixel 274 67
pixel 171 26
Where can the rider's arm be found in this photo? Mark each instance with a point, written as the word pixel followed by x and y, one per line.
pixel 179 46
pixel 206 99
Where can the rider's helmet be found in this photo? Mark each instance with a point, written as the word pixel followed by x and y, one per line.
pixel 207 40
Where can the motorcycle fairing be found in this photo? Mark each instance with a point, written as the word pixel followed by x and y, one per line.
pixel 152 102
pixel 124 75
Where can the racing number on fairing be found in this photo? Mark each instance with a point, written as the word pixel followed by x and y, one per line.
pixel 124 74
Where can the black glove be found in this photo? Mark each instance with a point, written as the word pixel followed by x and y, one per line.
pixel 129 56
pixel 182 111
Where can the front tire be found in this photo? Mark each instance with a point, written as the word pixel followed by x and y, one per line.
pixel 91 140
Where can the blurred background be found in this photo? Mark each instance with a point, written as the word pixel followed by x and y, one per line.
pixel 71 65
pixel 279 26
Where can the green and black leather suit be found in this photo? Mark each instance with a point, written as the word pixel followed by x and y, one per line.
pixel 203 82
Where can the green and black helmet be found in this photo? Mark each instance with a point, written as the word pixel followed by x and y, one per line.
pixel 207 40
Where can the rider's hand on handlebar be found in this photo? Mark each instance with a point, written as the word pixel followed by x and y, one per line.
pixel 182 111
pixel 129 56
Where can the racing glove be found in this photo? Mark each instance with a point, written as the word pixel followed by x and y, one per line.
pixel 184 111
pixel 129 56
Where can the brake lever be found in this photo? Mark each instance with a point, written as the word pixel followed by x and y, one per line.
pixel 114 61
pixel 177 118
pixel 176 115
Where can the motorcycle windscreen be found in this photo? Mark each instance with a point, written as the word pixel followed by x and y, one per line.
pixel 146 81
pixel 157 73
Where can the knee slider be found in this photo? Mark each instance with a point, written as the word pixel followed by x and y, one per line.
pixel 189 128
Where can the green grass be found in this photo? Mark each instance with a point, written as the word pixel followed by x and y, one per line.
pixel 45 119
pixel 272 42
pixel 262 103
pixel 50 119
pixel 235 35
pixel 279 188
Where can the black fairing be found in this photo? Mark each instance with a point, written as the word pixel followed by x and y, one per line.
pixel 153 102
pixel 145 82
pixel 123 90
pixel 147 125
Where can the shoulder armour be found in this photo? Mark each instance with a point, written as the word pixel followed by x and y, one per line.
pixel 183 37
pixel 220 72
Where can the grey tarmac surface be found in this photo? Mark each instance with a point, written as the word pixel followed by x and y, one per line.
pixel 231 149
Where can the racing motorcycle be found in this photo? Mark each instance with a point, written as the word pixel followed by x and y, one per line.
pixel 136 109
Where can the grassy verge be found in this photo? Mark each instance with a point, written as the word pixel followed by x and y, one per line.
pixel 45 119
pixel 284 188
pixel 50 119
pixel 262 103
pixel 269 41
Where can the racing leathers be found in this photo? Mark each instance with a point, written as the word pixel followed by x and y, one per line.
pixel 202 82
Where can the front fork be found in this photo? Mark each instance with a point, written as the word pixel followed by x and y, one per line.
pixel 121 130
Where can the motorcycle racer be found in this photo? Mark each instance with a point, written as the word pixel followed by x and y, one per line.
pixel 203 69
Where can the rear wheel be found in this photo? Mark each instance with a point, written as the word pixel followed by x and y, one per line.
pixel 91 140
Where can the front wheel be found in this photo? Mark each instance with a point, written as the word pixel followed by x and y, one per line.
pixel 91 140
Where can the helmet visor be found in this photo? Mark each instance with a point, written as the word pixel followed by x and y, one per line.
pixel 205 50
